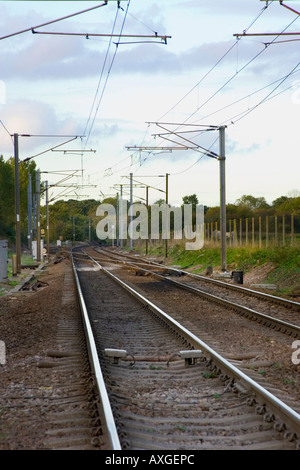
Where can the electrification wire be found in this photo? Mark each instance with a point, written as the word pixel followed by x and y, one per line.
pixel 144 24
pixel 267 97
pixel 7 131
pixel 212 68
pixel 232 77
pixel 101 75
pixel 239 71
pixel 246 97
pixel 215 65
pixel 108 73
pixel 197 161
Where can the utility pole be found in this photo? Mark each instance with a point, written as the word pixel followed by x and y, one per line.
pixel 73 236
pixel 121 215
pixel 167 202
pixel 222 196
pixel 29 212
pixel 38 216
pixel 185 144
pixel 47 221
pixel 130 235
pixel 117 221
pixel 147 207
pixel 17 203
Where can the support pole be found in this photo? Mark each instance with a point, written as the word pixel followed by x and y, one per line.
pixel 130 235
pixel 47 222
pixel 29 206
pixel 147 207
pixel 167 202
pixel 17 203
pixel 73 231
pixel 117 224
pixel 222 160
pixel 38 216
pixel 121 216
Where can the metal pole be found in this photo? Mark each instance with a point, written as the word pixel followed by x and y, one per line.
pixel 73 235
pixel 147 205
pixel 17 203
pixel 222 197
pixel 121 215
pixel 47 222
pixel 29 205
pixel 38 216
pixel 167 202
pixel 117 221
pixel 130 235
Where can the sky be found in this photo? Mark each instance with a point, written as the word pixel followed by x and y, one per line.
pixel 98 108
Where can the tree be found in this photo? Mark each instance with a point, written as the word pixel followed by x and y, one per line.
pixel 290 205
pixel 7 195
pixel 252 202
pixel 192 199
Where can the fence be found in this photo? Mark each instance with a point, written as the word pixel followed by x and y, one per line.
pixel 258 231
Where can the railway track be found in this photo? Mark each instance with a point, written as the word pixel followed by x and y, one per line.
pixel 169 389
pixel 274 312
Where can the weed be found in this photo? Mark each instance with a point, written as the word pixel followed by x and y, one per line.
pixel 152 367
pixel 209 375
pixel 289 381
pixel 180 427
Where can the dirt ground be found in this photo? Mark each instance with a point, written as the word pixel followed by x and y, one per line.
pixel 28 327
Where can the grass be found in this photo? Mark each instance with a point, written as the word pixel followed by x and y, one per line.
pixel 25 260
pixel 283 261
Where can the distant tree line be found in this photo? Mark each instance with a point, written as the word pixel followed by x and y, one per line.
pixel 76 219
pixel 7 196
pixel 247 207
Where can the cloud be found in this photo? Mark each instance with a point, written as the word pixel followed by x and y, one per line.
pixel 35 118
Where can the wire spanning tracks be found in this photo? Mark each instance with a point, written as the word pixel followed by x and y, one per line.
pixel 163 395
pixel 270 311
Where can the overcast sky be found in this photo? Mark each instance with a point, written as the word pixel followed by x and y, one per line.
pixel 107 94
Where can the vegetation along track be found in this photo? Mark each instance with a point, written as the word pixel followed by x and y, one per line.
pixel 171 390
pixel 272 311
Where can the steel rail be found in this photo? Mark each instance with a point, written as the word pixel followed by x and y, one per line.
pixel 245 290
pixel 95 364
pixel 280 410
pixel 246 310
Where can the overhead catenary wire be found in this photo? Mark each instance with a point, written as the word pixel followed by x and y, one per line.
pixel 208 73
pixel 215 65
pixel 107 76
pixel 249 95
pixel 268 96
pixel 240 70
pixel 100 79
